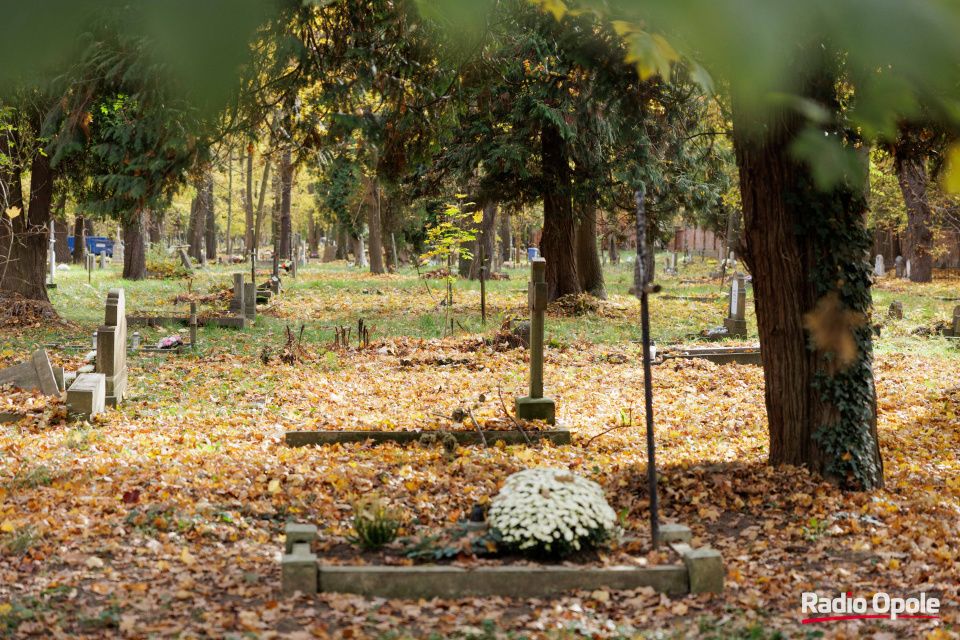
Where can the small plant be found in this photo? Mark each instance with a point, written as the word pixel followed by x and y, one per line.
pixel 375 523
pixel 448 239
pixel 814 529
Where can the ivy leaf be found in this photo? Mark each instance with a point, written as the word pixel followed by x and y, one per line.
pixel 13 212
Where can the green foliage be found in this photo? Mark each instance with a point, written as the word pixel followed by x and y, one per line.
pixel 374 522
pixel 450 236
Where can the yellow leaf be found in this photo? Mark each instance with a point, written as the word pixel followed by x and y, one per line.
pixel 556 7
pixel 623 28
pixel 13 212
pixel 5 608
pixel 951 178
pixel 163 565
pixel 274 486
pixel 187 557
pixel 7 526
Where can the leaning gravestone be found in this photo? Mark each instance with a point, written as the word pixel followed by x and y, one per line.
pixel 878 269
pixel 112 348
pixel 35 373
pixel 185 259
pixel 535 406
pixel 736 321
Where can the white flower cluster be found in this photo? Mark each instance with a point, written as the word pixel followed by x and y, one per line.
pixel 551 510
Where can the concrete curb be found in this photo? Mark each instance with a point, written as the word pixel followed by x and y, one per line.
pixel 305 438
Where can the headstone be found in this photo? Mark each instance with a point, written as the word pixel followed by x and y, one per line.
pixel 203 260
pixel 193 325
pixel 535 406
pixel 878 269
pixel 275 285
pixel 237 305
pixel 185 259
pixel 907 271
pixel 329 253
pixel 250 300
pixel 896 310
pixel 898 266
pixel 736 322
pixel 86 397
pixel 58 375
pixel 276 265
pixel 112 347
pixel 103 259
pixel 35 373
pixel 956 321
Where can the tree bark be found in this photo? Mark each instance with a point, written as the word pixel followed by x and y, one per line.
pixel 785 243
pixel 62 246
pixel 505 235
pixel 195 227
pixel 25 268
pixel 360 258
pixel 588 258
pixel 135 247
pixel 286 187
pixel 248 201
pixel 918 238
pixel 343 242
pixel 78 239
pixel 211 219
pixel 373 221
pixel 557 245
pixel 486 237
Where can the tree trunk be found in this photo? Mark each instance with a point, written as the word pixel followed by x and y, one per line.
pixel 918 239
pixel 373 221
pixel 806 251
pixel 343 244
pixel 505 234
pixel 25 267
pixel 248 201
pixel 78 239
pixel 195 228
pixel 286 186
pixel 588 258
pixel 557 245
pixel 135 247
pixel 313 237
pixel 211 219
pixel 358 252
pixel 275 211
pixel 62 245
pixel 486 237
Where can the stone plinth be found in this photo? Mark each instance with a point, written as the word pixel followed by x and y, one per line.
pixel 86 396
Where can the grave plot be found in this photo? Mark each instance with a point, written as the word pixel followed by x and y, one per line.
pixel 239 312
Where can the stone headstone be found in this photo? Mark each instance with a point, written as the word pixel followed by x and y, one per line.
pixel 898 267
pixel 736 321
pixel 250 300
pixel 956 321
pixel 86 397
pixel 896 310
pixel 878 269
pixel 35 373
pixel 203 260
pixel 103 259
pixel 237 304
pixel 329 253
pixel 185 259
pixel 535 406
pixel 112 347
pixel 907 271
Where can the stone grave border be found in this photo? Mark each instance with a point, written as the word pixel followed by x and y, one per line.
pixel 718 355
pixel 558 436
pixel 230 322
pixel 701 572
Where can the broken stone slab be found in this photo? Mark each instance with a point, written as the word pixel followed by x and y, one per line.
pixel 112 347
pixel 35 373
pixel 185 259
pixel 675 533
pixel 298 570
pixel 86 397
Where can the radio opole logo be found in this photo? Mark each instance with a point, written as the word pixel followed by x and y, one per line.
pixel 883 606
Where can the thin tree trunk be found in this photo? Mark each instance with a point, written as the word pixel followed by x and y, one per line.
pixel 135 247
pixel 62 234
pixel 78 239
pixel 588 258
pixel 359 252
pixel 343 242
pixel 918 239
pixel 286 186
pixel 211 219
pixel 486 237
pixel 557 245
pixel 796 277
pixel 373 221
pixel 25 268
pixel 195 227
pixel 248 201
pixel 505 235
pixel 259 221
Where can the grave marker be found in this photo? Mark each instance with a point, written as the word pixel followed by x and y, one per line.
pixel 329 253
pixel 898 267
pixel 237 305
pixel 86 397
pixel 878 270
pixel 896 310
pixel 185 259
pixel 535 406
pixel 103 259
pixel 250 300
pixel 907 272
pixel 956 321
pixel 193 326
pixel 112 348
pixel 35 373
pixel 736 321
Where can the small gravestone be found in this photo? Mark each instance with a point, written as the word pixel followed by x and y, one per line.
pixel 103 259
pixel 185 259
pixel 956 321
pixel 86 397
pixel 535 406
pixel 203 259
pixel 896 310
pixel 250 300
pixel 907 271
pixel 35 373
pixel 898 267
pixel 736 322
pixel 237 304
pixel 112 348
pixel 329 253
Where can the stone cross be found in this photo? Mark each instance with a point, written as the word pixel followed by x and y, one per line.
pixel 878 269
pixel 898 267
pixel 736 322
pixel 112 347
pixel 535 406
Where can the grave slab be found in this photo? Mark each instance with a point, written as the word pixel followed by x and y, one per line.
pixel 35 373
pixel 87 395
pixel 559 436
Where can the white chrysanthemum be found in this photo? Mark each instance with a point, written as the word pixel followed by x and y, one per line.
pixel 551 511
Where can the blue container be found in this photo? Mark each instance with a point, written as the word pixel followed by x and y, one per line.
pixel 533 252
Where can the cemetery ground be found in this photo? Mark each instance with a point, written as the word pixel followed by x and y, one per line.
pixel 164 517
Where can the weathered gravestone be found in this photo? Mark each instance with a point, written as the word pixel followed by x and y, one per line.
pixel 956 321
pixel 112 348
pixel 736 321
pixel 896 310
pixel 329 253
pixel 237 304
pixel 103 259
pixel 906 273
pixel 898 267
pixel 535 406
pixel 250 300
pixel 878 269
pixel 35 373
pixel 86 397
pixel 185 259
